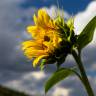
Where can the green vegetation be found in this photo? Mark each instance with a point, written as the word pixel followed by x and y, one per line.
pixel 9 92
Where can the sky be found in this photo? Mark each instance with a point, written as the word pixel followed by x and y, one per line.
pixel 16 71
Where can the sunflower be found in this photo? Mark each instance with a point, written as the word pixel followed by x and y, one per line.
pixel 45 37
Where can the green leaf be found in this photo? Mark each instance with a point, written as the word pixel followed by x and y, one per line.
pixel 86 35
pixel 59 75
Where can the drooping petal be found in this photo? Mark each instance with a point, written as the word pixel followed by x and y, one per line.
pixel 36 60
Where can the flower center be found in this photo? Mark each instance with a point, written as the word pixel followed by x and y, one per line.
pixel 46 38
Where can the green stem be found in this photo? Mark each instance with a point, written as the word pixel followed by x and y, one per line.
pixel 83 74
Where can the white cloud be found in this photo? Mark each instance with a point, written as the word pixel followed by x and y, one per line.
pixel 61 92
pixel 53 12
pixel 13 20
pixel 36 75
pixel 82 18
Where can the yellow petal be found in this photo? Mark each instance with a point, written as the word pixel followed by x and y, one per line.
pixel 35 19
pixel 41 13
pixel 50 24
pixel 46 17
pixel 28 44
pixel 40 16
pixel 43 18
pixel 36 60
pixel 59 40
pixel 49 45
pixel 56 40
pixel 32 52
pixel 31 28
pixel 36 31
pixel 37 44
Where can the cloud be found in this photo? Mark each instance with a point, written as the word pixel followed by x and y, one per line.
pixel 53 12
pixel 82 18
pixel 31 83
pixel 37 75
pixel 61 92
pixel 13 20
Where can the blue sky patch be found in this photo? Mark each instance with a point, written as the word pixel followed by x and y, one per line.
pixel 72 7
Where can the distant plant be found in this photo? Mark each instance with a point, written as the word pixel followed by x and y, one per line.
pixel 52 40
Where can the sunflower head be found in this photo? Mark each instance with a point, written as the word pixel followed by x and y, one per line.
pixel 52 39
